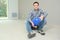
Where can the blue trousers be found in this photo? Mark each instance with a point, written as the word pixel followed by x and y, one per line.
pixel 41 25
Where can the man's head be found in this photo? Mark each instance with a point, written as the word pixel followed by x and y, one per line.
pixel 36 5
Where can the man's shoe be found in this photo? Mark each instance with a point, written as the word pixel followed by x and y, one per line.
pixel 30 35
pixel 41 32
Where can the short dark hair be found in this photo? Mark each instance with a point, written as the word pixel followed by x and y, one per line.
pixel 35 2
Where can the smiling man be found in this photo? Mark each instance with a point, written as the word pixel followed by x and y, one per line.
pixel 39 13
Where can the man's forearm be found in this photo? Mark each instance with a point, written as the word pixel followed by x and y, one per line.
pixel 30 21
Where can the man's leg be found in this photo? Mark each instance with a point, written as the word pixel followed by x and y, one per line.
pixel 28 26
pixel 30 32
pixel 41 25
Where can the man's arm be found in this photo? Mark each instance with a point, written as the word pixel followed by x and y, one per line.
pixel 31 23
pixel 30 17
pixel 43 14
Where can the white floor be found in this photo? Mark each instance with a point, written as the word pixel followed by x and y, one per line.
pixel 16 30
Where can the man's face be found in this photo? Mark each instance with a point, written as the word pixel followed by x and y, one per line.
pixel 36 6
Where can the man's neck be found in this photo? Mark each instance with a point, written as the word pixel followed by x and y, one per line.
pixel 36 9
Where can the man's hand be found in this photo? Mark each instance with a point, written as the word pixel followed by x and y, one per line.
pixel 41 17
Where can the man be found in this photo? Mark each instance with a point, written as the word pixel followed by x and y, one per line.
pixel 36 12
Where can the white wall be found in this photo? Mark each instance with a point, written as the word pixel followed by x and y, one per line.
pixel 51 6
pixel 12 8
